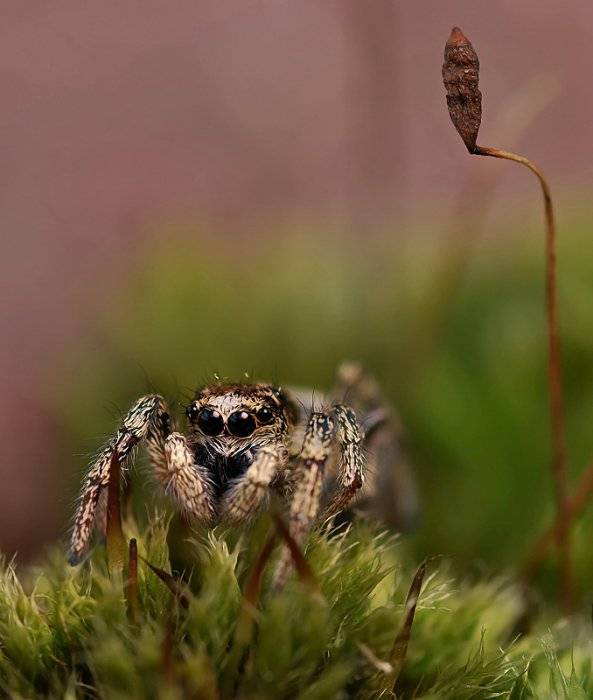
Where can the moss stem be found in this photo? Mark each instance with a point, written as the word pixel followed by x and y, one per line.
pixel 559 470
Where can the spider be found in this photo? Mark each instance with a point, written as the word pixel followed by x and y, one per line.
pixel 244 442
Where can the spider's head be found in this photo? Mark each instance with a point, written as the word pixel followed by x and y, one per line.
pixel 234 418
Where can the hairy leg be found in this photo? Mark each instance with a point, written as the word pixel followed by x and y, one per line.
pixel 101 514
pixel 132 430
pixel 308 479
pixel 390 490
pixel 184 480
pixel 349 439
pixel 248 492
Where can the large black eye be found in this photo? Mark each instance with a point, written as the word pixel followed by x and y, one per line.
pixel 265 415
pixel 241 424
pixel 210 422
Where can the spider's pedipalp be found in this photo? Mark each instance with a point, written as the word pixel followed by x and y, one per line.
pixel 248 492
pixel 133 429
pixel 187 482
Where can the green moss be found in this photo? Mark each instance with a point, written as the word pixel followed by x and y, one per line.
pixel 66 632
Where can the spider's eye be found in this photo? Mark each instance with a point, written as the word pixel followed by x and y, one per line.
pixel 241 424
pixel 210 422
pixel 265 415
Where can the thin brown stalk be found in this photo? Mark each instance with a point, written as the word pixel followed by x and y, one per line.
pixel 254 581
pixel 244 629
pixel 168 646
pixel 302 566
pixel 559 470
pixel 115 543
pixel 131 588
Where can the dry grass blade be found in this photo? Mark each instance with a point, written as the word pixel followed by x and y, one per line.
pixel 304 571
pixel 178 589
pixel 131 588
pixel 400 644
pixel 115 543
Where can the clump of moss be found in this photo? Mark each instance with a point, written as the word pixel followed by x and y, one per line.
pixel 71 633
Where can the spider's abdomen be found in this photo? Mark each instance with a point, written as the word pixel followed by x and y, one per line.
pixel 223 469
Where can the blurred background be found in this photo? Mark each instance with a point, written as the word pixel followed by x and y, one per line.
pixel 274 187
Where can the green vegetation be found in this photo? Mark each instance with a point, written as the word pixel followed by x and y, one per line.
pixel 70 635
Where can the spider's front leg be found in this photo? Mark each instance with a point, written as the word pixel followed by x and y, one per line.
pixel 171 460
pixel 133 429
pixel 248 492
pixel 309 481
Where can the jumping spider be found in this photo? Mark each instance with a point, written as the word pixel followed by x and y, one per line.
pixel 244 441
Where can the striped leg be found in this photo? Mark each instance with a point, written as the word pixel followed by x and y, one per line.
pixel 133 429
pixel 308 483
pixel 351 476
pixel 390 490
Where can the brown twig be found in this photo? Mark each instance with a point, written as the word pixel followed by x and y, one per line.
pixel 464 100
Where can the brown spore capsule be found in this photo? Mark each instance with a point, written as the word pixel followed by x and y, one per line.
pixel 461 74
